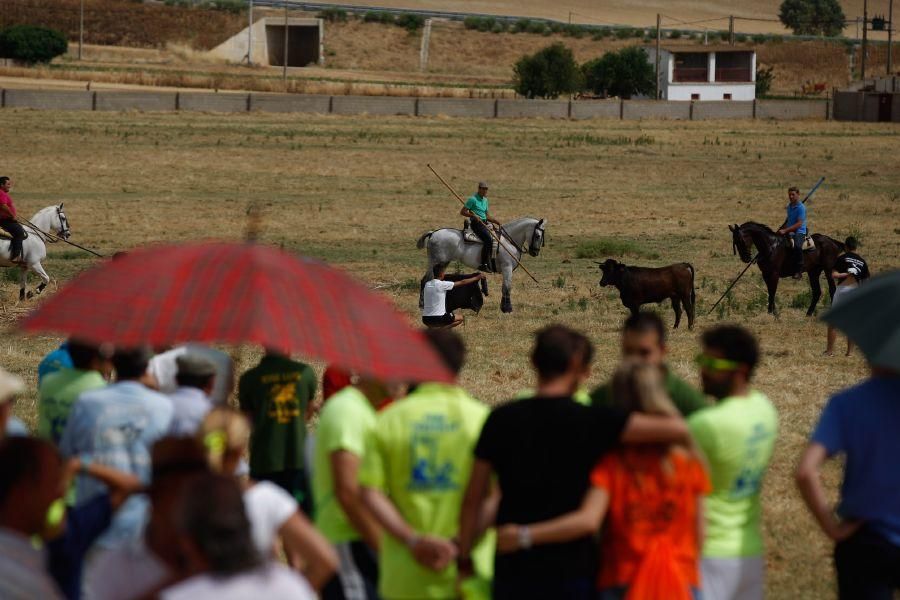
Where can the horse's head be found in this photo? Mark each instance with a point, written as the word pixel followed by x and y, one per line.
pixel 740 242
pixel 61 223
pixel 537 238
pixel 612 272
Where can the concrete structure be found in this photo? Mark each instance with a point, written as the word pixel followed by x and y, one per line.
pixel 143 101
pixel 721 109
pixel 789 110
pixel 596 109
pixel 48 99
pixel 876 100
pixel 532 108
pixel 305 43
pixel 290 103
pixel 457 107
pixel 373 105
pixel 651 109
pixel 214 102
pixel 719 72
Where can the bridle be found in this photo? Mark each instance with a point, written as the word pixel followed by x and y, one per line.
pixel 538 229
pixel 63 223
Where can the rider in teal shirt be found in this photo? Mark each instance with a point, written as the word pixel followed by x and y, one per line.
pixel 476 209
pixel 795 226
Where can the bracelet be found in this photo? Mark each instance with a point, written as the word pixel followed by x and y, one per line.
pixel 524 534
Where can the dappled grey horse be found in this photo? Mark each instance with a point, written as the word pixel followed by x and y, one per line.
pixel 520 236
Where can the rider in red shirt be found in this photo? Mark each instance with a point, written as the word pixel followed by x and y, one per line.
pixel 8 219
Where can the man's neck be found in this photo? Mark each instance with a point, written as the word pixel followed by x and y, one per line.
pixel 561 386
pixel 741 390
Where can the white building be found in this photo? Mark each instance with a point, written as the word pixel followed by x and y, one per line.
pixel 719 72
pixel 304 44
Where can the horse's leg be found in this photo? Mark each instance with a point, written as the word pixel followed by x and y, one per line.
pixel 45 279
pixel 676 306
pixel 772 287
pixel 688 303
pixel 506 295
pixel 816 287
pixel 23 282
pixel 831 285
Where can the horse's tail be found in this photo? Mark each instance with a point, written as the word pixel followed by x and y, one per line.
pixel 423 238
pixel 693 289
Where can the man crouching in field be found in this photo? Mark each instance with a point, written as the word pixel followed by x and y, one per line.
pixel 434 313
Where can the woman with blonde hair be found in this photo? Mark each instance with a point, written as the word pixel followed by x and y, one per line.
pixel 652 498
pixel 273 513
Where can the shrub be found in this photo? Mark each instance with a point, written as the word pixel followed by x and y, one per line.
pixel 547 73
pixel 600 34
pixel 624 33
pixel 374 16
pixel 764 78
pixel 558 27
pixel 537 27
pixel 333 15
pixel 521 26
pixel 812 17
pixel 759 38
pixel 675 34
pixel 409 21
pixel 32 44
pixel 234 7
pixel 740 38
pixel 624 73
pixel 498 27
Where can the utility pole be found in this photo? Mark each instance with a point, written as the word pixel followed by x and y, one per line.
pixel 890 60
pixel 284 68
pixel 658 39
pixel 731 30
pixel 81 30
pixel 865 48
pixel 250 34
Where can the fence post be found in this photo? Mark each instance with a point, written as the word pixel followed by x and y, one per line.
pixel 828 109
pixel 416 107
pixel 754 108
pixel 3 98
pixel 247 103
pixel 330 104
pixel 569 110
pixel 177 100
pixel 621 109
pixel 93 100
pixel 496 107
pixel 691 111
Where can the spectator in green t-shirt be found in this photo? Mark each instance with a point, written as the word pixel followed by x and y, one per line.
pixel 417 464
pixel 644 340
pixel 58 391
pixel 737 436
pixel 276 395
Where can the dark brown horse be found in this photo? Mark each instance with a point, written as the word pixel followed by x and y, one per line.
pixel 774 258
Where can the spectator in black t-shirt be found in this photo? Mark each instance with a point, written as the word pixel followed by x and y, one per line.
pixel 542 450
pixel 850 270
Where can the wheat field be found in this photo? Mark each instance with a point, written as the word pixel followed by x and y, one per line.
pixel 354 191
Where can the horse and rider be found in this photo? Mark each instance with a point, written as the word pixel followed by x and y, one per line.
pixel 9 220
pixel 781 254
pixel 511 241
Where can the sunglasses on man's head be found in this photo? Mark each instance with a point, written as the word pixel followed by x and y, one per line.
pixel 711 363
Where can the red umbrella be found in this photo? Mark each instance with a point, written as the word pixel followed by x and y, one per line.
pixel 238 292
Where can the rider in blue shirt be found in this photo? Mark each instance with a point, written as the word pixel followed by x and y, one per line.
pixel 795 226
pixel 476 210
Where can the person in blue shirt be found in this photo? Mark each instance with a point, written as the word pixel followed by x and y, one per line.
pixel 861 423
pixel 56 360
pixel 795 227
pixel 476 210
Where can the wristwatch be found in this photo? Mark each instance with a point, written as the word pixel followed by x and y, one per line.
pixel 524 534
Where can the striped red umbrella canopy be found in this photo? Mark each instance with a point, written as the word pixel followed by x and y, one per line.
pixel 239 292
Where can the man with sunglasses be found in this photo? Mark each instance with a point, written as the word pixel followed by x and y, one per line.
pixel 737 436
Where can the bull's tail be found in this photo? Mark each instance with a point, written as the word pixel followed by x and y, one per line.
pixel 422 239
pixel 693 289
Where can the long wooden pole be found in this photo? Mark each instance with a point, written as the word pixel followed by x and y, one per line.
pixel 55 237
pixel 488 227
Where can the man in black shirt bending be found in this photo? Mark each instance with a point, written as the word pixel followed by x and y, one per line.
pixel 541 450
pixel 850 270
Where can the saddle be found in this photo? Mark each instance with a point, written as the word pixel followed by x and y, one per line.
pixel 5 235
pixel 470 237
pixel 808 243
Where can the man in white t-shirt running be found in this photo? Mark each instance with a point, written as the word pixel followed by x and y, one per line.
pixel 435 314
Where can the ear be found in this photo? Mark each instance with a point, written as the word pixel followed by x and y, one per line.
pixel 731 229
pixel 60 205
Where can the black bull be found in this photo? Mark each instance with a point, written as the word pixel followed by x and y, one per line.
pixel 464 296
pixel 644 285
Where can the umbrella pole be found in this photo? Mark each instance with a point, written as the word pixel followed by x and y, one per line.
pixel 490 229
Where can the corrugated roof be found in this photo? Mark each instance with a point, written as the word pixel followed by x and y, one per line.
pixel 701 48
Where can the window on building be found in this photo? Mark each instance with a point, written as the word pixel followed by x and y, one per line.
pixel 695 96
pixel 691 66
pixel 734 66
pixel 726 96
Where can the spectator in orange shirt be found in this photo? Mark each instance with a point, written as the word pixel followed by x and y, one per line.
pixel 652 498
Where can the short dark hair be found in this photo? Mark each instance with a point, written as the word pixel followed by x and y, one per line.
pixel 449 346
pixel 3 180
pixel 794 188
pixel 735 343
pixel 211 513
pixel 851 243
pixel 646 322
pixel 439 269
pixel 131 363
pixel 176 455
pixel 555 347
pixel 82 353
pixel 194 381
pixel 20 461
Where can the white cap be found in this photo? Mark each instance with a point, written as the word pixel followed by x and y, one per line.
pixel 10 385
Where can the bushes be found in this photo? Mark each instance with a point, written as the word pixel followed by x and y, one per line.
pixel 333 15
pixel 32 44
pixel 547 73
pixel 624 73
pixel 764 78
pixel 409 21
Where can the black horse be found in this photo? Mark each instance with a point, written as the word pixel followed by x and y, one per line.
pixel 774 260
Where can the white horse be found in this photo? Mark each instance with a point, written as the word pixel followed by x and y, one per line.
pixel 522 235
pixel 34 250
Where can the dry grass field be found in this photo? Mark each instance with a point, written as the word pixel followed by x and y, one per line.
pixel 355 192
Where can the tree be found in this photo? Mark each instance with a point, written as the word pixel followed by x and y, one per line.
pixel 764 78
pixel 624 73
pixel 547 73
pixel 813 17
pixel 32 44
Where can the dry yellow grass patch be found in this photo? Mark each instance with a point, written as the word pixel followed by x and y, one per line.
pixel 355 192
